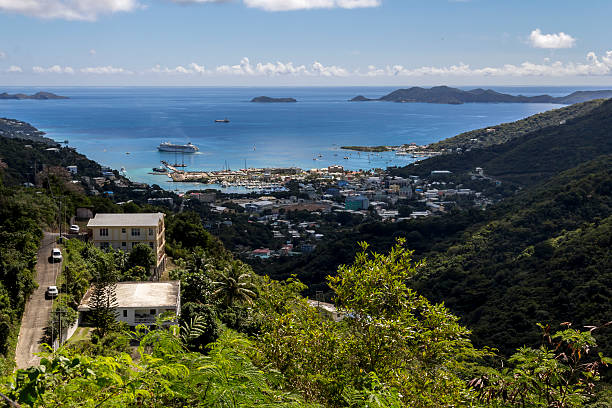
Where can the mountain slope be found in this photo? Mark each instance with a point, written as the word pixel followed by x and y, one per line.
pixel 534 156
pixel 543 257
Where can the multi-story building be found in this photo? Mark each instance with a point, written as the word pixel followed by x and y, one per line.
pixel 124 231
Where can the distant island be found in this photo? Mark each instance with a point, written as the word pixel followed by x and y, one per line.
pixel 448 95
pixel 267 99
pixel 37 95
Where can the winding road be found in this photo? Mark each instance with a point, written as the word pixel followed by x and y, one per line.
pixel 37 309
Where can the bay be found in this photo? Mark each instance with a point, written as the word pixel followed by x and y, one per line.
pixel 122 127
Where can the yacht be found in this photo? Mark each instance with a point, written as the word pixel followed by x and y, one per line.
pixel 170 147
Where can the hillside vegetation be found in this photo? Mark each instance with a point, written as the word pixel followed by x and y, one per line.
pixel 504 132
pixel 534 156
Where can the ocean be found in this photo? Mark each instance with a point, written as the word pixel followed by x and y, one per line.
pixel 122 127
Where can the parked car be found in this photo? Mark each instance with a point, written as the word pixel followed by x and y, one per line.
pixel 56 255
pixel 51 292
pixel 74 229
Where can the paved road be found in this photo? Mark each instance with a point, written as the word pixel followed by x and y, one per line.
pixel 36 314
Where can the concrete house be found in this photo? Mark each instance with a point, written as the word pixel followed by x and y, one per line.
pixel 140 302
pixel 124 231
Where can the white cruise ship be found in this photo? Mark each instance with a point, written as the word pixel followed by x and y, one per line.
pixel 169 147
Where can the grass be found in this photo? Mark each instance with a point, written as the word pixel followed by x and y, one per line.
pixel 81 335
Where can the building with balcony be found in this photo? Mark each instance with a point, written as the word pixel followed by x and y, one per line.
pixel 124 231
pixel 140 302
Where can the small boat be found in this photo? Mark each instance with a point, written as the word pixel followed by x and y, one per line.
pixel 159 169
pixel 127 152
pixel 226 120
pixel 345 157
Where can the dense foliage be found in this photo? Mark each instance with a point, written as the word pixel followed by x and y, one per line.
pixel 21 221
pixel 534 156
pixel 507 131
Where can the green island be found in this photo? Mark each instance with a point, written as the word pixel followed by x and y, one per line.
pixel 501 305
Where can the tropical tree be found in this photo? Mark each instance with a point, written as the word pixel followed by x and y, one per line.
pixel 163 375
pixel 391 345
pixel 234 282
pixel 141 255
pixel 103 299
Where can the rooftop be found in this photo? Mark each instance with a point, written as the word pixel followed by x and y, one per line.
pixel 141 294
pixel 126 220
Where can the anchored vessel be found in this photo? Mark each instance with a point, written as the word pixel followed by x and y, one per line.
pixel 169 147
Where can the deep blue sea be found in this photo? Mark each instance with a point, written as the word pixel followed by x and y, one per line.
pixel 106 123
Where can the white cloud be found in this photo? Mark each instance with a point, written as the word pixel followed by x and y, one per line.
pixel 92 52
pixel 2 55
pixel 14 69
pixel 198 1
pixel 280 68
pixel 288 5
pixel 105 70
pixel 594 66
pixel 559 40
pixel 192 68
pixel 67 9
pixel 54 69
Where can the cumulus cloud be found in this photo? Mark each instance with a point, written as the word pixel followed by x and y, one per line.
pixel 54 69
pixel 192 68
pixel 67 9
pixel 2 55
pixel 14 69
pixel 288 5
pixel 594 66
pixel 106 70
pixel 280 68
pixel 92 52
pixel 198 1
pixel 559 40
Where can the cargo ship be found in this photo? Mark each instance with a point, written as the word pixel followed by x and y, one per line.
pixel 170 147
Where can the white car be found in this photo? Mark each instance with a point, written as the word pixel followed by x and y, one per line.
pixel 56 255
pixel 51 292
pixel 74 229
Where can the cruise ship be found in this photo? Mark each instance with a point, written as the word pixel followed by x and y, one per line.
pixel 170 147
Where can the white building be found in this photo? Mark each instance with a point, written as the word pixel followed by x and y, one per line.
pixel 141 302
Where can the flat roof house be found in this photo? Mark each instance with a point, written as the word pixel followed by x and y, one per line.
pixel 124 231
pixel 141 302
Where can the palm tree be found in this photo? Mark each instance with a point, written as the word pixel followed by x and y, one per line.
pixel 234 283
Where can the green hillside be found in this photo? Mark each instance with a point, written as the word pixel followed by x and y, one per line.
pixel 507 131
pixel 534 156
pixel 544 257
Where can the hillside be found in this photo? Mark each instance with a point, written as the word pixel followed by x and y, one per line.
pixel 455 96
pixel 534 156
pixel 544 256
pixel 504 132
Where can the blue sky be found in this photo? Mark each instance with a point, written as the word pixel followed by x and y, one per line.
pixel 305 42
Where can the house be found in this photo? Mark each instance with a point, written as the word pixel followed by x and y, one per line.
pixel 124 231
pixel 140 302
pixel 263 253
pixel 356 203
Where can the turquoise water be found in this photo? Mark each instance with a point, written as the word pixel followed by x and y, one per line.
pixel 107 123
